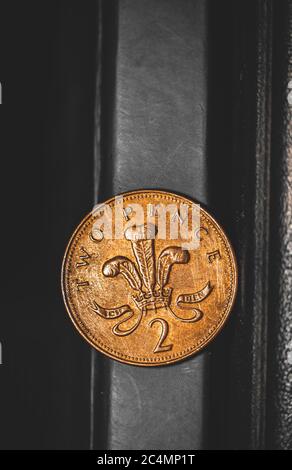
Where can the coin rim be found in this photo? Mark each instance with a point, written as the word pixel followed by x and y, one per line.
pixel 175 359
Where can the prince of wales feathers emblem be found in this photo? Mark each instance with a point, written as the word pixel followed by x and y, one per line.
pixel 149 281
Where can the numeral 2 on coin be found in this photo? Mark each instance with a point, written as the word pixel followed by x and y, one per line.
pixel 160 347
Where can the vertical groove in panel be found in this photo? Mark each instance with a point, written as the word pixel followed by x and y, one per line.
pixel 262 224
pixel 103 188
pixel 96 377
pixel 160 142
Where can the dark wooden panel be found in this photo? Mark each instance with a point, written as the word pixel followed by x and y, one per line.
pixel 48 76
pixel 279 404
pixel 239 165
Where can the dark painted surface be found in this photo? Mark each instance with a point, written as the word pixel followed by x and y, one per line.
pixel 48 78
pixel 279 416
pixel 239 168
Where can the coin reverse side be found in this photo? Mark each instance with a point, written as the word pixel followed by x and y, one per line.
pixel 145 300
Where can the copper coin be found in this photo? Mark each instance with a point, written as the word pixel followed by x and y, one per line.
pixel 143 295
